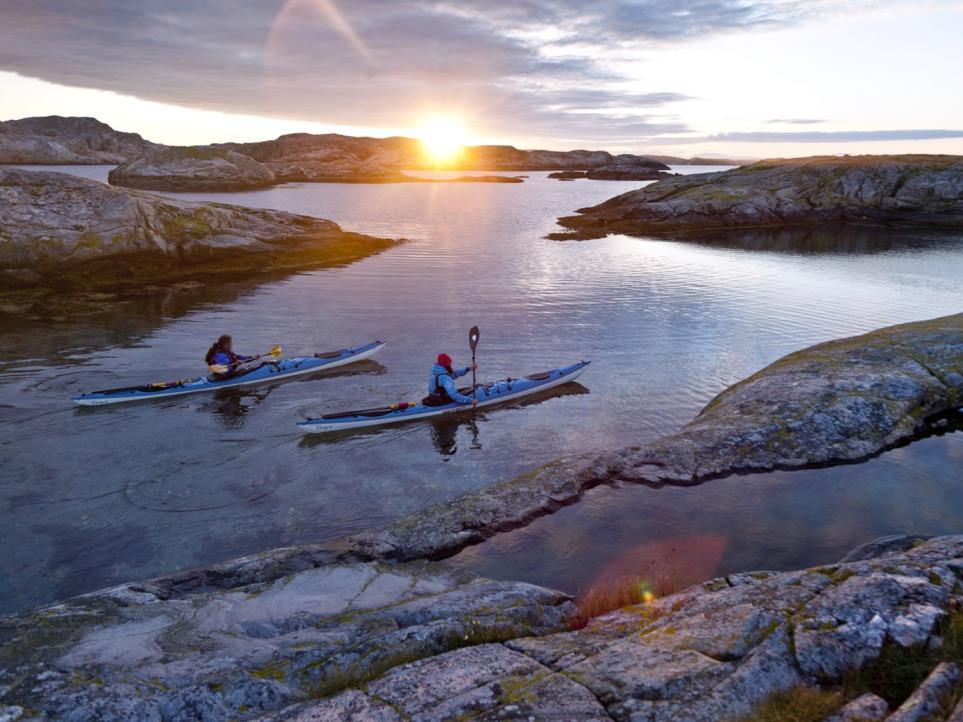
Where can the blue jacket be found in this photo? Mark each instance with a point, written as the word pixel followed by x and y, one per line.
pixel 441 377
pixel 226 359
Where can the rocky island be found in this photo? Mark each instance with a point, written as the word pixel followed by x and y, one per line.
pixel 62 232
pixel 55 140
pixel 366 627
pixel 192 169
pixel 621 167
pixel 912 190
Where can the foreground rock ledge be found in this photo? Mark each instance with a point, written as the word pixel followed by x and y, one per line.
pixel 69 233
pixel 915 190
pixel 422 641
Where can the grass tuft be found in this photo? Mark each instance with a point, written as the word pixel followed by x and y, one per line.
pixel 799 704
pixel 619 593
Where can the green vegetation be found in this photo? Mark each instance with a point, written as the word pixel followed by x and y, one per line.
pixel 181 228
pixel 269 671
pixel 89 240
pixel 799 704
pixel 894 676
pixel 623 592
pixel 899 670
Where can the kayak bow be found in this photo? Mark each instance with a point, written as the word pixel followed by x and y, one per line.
pixel 283 369
pixel 497 392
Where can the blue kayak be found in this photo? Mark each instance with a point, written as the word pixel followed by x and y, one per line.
pixel 267 372
pixel 490 394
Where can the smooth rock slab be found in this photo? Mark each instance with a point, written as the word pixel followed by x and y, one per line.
pixel 259 648
pixel 484 682
pixel 193 169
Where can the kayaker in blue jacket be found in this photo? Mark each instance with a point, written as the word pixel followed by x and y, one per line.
pixel 441 384
pixel 222 360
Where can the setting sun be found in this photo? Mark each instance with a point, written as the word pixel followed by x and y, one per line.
pixel 442 137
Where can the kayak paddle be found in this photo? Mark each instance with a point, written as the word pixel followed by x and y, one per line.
pixel 221 368
pixel 473 336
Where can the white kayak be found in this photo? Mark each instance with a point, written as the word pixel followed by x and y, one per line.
pixel 498 392
pixel 265 373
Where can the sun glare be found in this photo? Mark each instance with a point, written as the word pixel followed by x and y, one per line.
pixel 442 138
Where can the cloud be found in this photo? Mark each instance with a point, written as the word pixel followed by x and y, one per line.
pixel 515 63
pixel 794 121
pixel 838 136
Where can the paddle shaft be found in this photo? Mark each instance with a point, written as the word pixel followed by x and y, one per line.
pixel 473 336
pixel 276 351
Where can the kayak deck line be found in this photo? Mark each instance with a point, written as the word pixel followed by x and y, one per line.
pixel 266 372
pixel 496 392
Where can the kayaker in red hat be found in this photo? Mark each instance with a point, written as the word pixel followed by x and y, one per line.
pixel 441 386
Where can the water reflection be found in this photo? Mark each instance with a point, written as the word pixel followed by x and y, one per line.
pixel 678 536
pixel 834 239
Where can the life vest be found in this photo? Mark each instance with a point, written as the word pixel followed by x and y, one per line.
pixel 438 395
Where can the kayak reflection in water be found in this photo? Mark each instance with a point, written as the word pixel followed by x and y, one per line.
pixel 222 361
pixel 441 384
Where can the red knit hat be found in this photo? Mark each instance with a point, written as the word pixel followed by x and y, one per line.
pixel 444 360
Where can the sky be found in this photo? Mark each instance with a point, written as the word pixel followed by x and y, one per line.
pixel 737 78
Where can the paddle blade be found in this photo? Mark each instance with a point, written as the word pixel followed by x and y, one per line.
pixel 473 336
pixel 218 368
pixel 275 351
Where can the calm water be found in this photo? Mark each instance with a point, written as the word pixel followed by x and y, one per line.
pixel 92 497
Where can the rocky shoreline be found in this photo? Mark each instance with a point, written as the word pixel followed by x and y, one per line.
pixel 423 641
pixel 365 626
pixel 65 234
pixel 920 191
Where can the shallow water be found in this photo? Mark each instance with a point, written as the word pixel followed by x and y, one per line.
pixel 93 497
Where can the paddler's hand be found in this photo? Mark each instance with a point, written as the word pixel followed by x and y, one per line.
pixel 474 403
pixel 473 367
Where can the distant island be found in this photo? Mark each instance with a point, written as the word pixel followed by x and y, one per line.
pixel 296 157
pixel 916 190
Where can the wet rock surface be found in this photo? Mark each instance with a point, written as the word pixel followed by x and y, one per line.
pixel 58 140
pixel 910 190
pixel 193 169
pixel 72 233
pixel 420 641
